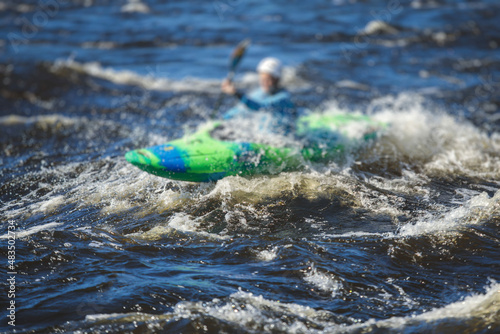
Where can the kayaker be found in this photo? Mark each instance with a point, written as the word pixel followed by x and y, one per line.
pixel 269 97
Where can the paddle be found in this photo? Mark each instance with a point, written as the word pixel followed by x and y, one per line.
pixel 234 60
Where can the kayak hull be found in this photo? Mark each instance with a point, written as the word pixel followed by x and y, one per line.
pixel 201 158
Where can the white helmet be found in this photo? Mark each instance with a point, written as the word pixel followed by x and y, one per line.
pixel 270 65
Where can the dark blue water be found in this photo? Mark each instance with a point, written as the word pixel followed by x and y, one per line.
pixel 401 237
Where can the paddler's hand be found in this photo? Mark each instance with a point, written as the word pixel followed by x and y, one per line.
pixel 228 87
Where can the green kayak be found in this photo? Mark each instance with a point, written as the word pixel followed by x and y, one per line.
pixel 202 157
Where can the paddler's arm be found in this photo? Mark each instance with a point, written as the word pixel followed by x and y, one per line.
pixel 228 88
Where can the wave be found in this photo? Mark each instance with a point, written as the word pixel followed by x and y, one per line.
pixel 42 121
pixel 126 77
pixel 475 313
pixel 179 223
pixel 241 200
pixel 135 6
pixel 379 27
pixel 247 311
pixel 421 145
pixel 33 230
pixel 323 281
pixel 152 82
pixel 480 208
pixel 438 143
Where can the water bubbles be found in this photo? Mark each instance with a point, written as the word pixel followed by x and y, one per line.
pixel 322 281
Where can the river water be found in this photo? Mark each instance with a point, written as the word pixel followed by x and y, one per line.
pixel 400 237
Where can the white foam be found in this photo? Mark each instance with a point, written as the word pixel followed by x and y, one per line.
pixel 96 244
pixel 154 81
pixel 126 77
pixel 123 317
pixel 442 144
pixel 352 84
pixel 335 184
pixel 440 222
pixel 267 254
pixel 478 305
pixel 179 222
pixel 256 189
pixel 135 6
pixel 409 182
pixel 471 153
pixel 255 313
pixel 183 222
pixel 470 213
pixel 359 234
pixel 124 188
pixel 33 230
pixel 118 187
pixel 323 281
pixel 377 27
pixel 484 307
pixel 44 121
pixel 51 204
pixel 242 309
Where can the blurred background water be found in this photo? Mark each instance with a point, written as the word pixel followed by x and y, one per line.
pixel 401 237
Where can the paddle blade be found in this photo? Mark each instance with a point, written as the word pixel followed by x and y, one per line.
pixel 237 54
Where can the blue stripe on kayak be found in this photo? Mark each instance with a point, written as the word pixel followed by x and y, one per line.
pixel 170 158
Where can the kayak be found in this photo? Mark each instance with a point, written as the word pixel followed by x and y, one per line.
pixel 202 157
